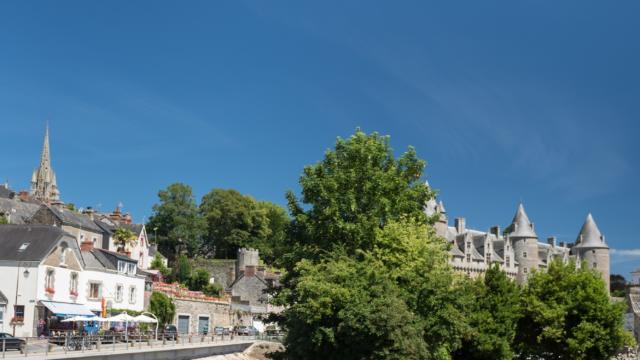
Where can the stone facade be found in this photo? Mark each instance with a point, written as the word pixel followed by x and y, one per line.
pixel 223 271
pixel 517 250
pixel 215 313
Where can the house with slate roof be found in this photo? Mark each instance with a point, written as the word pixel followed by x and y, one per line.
pixel 517 250
pixel 47 277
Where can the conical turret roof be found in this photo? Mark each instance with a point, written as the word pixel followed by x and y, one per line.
pixel 521 226
pixel 590 236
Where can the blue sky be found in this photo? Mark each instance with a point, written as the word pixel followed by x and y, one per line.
pixel 507 101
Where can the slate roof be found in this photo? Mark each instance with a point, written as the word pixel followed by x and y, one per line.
pixel 40 239
pixel 20 211
pixel 590 236
pixel 521 226
pixel 3 299
pixel 6 193
pixel 73 218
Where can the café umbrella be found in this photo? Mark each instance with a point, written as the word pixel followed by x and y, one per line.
pixel 126 319
pixel 147 319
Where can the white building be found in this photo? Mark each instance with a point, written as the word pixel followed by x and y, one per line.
pixel 46 277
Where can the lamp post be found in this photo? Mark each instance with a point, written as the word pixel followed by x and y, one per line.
pixel 157 321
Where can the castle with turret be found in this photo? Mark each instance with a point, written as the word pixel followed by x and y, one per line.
pixel 517 249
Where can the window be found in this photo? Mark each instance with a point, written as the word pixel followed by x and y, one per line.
pixel 3 309
pixel 23 247
pixel 508 261
pixel 595 265
pixel 73 286
pixel 524 254
pixel 49 283
pixel 525 270
pixel 468 257
pixel 63 253
pixel 488 257
pixel 122 267
pixel 95 240
pixel 132 295
pixel 81 237
pixel 95 290
pixel 468 246
pixel 18 311
pixel 131 268
pixel 119 292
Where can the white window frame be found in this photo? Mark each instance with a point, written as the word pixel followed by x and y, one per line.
pixel 119 294
pixel 132 294
pixel 99 285
pixel 131 268
pixel 122 267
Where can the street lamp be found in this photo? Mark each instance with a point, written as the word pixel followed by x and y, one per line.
pixel 157 321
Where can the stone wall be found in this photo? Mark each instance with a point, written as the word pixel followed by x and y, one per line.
pixel 251 289
pixel 219 313
pixel 223 271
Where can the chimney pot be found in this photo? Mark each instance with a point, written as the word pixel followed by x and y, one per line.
pixel 552 241
pixel 495 230
pixel 460 224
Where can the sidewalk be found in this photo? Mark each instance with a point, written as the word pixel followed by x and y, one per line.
pixel 122 348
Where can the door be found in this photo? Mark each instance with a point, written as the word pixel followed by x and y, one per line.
pixel 183 324
pixel 203 325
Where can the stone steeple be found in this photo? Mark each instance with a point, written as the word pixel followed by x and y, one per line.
pixel 43 180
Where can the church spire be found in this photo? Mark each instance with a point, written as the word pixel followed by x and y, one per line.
pixel 43 180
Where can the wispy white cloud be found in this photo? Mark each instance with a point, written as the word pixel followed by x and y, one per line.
pixel 626 252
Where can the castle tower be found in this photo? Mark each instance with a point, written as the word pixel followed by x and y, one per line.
pixel 43 180
pixel 525 244
pixel 591 248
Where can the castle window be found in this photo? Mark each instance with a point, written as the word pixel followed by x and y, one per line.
pixel 524 254
pixel 595 265
pixel 468 246
pixel 468 257
pixel 525 270
pixel 508 261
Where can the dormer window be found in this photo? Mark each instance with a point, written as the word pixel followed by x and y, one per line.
pixel 131 268
pixel 122 267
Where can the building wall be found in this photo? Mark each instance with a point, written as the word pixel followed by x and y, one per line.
pixel 250 288
pixel 599 258
pixel 13 277
pixel 82 235
pixel 139 251
pixel 528 247
pixel 109 281
pixel 218 313
pixel 223 271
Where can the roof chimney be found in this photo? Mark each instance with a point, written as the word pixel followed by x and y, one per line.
pixel 23 195
pixel 89 212
pixel 552 241
pixel 460 224
pixel 495 230
pixel 250 270
pixel 86 245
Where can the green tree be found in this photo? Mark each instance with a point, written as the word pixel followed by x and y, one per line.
pixel 618 287
pixel 161 306
pixel 177 220
pixel 182 270
pixel 355 190
pixel 366 276
pixel 235 220
pixel 158 264
pixel 214 289
pixel 199 279
pixel 349 309
pixel 567 314
pixel 3 219
pixel 273 246
pixel 124 237
pixel 493 316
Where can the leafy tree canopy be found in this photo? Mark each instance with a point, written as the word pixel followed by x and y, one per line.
pixel 357 189
pixel 161 306
pixel 176 218
pixel 234 220
pixel 199 279
pixel 158 264
pixel 567 314
pixel 182 270
pixel 493 316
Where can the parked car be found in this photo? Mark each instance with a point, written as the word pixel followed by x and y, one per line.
pixel 220 330
pixel 240 330
pixel 170 332
pixel 251 331
pixel 11 342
